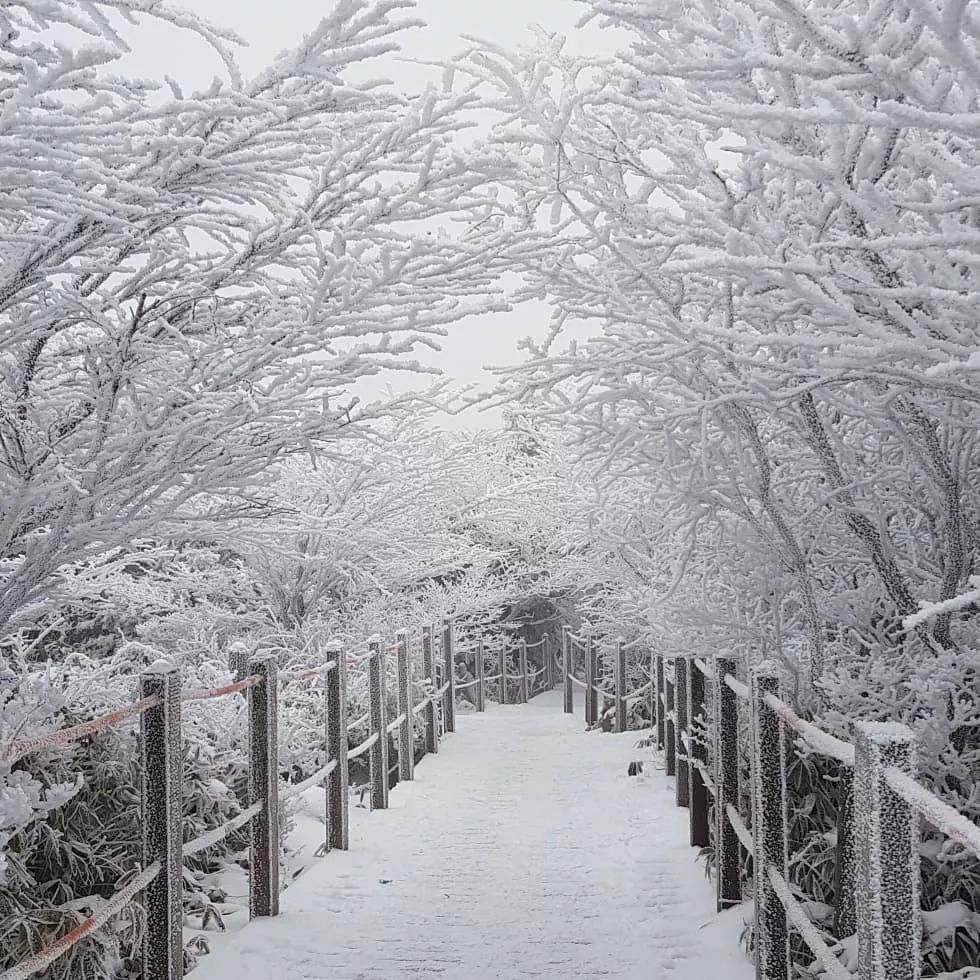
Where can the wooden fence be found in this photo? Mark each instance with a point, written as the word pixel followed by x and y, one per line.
pixel 159 712
pixel 699 711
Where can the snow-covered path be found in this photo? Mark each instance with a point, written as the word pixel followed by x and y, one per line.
pixel 522 850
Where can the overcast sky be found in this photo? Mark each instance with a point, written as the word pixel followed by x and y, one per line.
pixel 270 27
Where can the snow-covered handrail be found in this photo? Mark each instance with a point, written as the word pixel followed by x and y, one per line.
pixel 43 959
pixel 295 789
pixel 209 694
pixel 702 666
pixel 13 751
pixel 358 722
pixel 941 815
pixel 742 832
pixel 467 685
pixel 576 681
pixel 219 834
pixel 816 738
pixel 833 969
pixel 741 690
pixel 363 747
pixel 392 725
pixel 308 674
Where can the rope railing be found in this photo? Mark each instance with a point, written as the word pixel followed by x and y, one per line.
pixel 216 836
pixel 43 959
pixel 15 751
pixel 368 743
pixel 308 674
pixel 209 694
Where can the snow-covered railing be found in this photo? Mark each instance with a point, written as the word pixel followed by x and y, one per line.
pixel 887 804
pixel 158 709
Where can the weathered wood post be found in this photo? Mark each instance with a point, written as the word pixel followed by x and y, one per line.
pixel 566 669
pixel 522 665
pixel 549 662
pixel 620 680
pixel 406 739
pixel 769 814
pixel 698 753
pixel 654 694
pixel 670 728
pixel 431 709
pixel 263 784
pixel 378 711
pixel 160 812
pixel 660 700
pixel 502 661
pixel 449 675
pixel 887 836
pixel 338 797
pixel 591 681
pixel 481 679
pixel 727 855
pixel 683 782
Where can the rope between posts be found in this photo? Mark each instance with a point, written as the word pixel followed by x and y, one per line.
pixel 421 706
pixel 740 689
pixel 302 675
pixel 818 740
pixel 16 750
pixel 41 960
pixel 217 835
pixel 702 666
pixel 468 684
pixel 295 789
pixel 392 725
pixel 741 831
pixel 637 695
pixel 942 816
pixel 207 694
pixel 363 720
pixel 442 690
pixel 575 680
pixel 796 914
pixel 363 747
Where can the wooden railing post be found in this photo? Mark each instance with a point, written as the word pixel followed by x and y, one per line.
pixel 549 662
pixel 338 797
pixel 670 727
pixel 449 669
pixel 683 782
pixel 522 666
pixel 660 700
pixel 654 705
pixel 378 710
pixel 406 739
pixel 591 681
pixel 698 753
pixel 887 835
pixel 432 708
pixel 769 815
pixel 263 784
pixel 481 679
pixel 160 811
pixel 502 661
pixel 727 855
pixel 620 681
pixel 566 670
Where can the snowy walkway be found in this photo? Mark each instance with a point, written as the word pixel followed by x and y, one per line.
pixel 522 850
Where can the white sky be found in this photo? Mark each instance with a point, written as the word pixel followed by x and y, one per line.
pixel 271 27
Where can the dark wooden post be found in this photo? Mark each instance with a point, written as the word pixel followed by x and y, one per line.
pixel 431 709
pixel 378 753
pixel 502 658
pixel 160 811
pixel 481 679
pixel 591 681
pixel 769 813
pixel 670 733
pixel 522 662
pixel 660 701
pixel 449 669
pixel 263 784
pixel 338 836
pixel 549 662
pixel 566 669
pixel 727 854
pixel 654 694
pixel 406 739
pixel 681 733
pixel 698 753
pixel 845 865
pixel 620 680
pixel 887 835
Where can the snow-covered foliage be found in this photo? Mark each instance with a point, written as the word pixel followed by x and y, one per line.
pixel 765 215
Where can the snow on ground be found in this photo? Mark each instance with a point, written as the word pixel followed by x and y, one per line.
pixel 522 850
